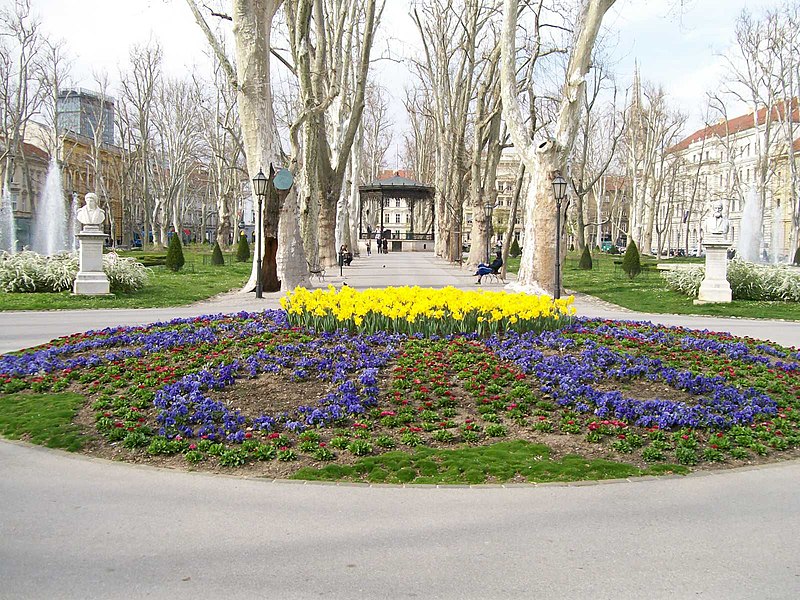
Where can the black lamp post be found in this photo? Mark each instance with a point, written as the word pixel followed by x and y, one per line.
pixel 559 191
pixel 260 188
pixel 487 210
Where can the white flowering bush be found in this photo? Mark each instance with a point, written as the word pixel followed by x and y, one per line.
pixel 748 281
pixel 29 271
pixel 124 273
pixel 685 281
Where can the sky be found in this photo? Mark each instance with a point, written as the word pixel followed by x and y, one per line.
pixel 680 44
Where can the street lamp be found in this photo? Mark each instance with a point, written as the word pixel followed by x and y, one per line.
pixel 487 211
pixel 260 188
pixel 559 191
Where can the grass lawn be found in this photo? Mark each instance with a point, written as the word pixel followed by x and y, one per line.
pixel 474 465
pixel 648 292
pixel 197 280
pixel 44 419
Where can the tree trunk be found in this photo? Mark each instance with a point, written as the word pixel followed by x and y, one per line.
pixel 538 268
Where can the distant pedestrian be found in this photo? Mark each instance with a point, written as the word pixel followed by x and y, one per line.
pixel 385 246
pixel 378 242
pixel 369 248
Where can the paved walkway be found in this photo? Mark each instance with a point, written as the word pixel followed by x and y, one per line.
pixel 74 527
pixel 24 329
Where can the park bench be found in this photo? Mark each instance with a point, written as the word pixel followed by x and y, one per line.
pixel 495 277
pixel 317 271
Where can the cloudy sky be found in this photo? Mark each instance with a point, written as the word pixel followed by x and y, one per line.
pixel 678 43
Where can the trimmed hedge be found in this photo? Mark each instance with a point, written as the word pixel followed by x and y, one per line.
pixel 175 259
pixel 243 249
pixel 216 256
pixel 631 263
pixel 586 260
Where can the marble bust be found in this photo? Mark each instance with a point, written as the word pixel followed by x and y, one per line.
pixel 716 223
pixel 90 213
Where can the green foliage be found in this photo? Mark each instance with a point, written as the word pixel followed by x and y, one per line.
pixel 175 260
pixel 516 251
pixel 613 250
pixel 796 259
pixel 216 256
pixel 748 281
pixel 499 462
pixel 243 249
pixel 31 272
pixel 42 419
pixel 631 263
pixel 586 260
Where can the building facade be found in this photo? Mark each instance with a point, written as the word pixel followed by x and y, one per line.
pixel 730 161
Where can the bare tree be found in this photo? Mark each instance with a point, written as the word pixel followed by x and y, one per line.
pixel 451 35
pixel 548 156
pixel 330 43
pixel 752 79
pixel 21 94
pixel 377 128
pixel 595 149
pixel 139 87
pixel 225 148
pixel 283 255
pixel 175 149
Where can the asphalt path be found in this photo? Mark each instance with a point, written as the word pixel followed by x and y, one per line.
pixel 75 527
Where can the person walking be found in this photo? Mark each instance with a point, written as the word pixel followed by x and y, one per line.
pixel 369 247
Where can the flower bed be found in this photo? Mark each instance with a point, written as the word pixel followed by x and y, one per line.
pixel 260 392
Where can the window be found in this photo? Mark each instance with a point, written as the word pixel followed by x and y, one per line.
pixel 397 217
pixel 397 203
pixel 386 203
pixel 386 217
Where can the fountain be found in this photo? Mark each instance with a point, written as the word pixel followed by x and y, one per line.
pixel 750 232
pixel 73 226
pixel 8 229
pixel 50 227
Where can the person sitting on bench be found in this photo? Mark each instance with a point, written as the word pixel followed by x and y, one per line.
pixel 345 255
pixel 493 267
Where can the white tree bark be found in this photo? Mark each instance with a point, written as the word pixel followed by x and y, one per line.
pixel 538 267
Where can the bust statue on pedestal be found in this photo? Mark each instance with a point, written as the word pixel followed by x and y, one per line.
pixel 717 223
pixel 91 280
pixel 715 286
pixel 90 213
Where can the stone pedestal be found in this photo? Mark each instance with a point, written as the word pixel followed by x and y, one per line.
pixel 91 280
pixel 715 286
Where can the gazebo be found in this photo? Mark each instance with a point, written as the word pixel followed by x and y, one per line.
pixel 401 210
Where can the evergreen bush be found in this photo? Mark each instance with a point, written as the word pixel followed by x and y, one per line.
pixel 216 256
pixel 243 249
pixel 515 250
pixel 586 260
pixel 796 260
pixel 631 263
pixel 613 250
pixel 175 260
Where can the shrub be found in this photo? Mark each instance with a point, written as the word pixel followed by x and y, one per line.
pixel 630 262
pixel 125 274
pixel 216 256
pixel 748 281
pixel 613 250
pixel 796 260
pixel 175 260
pixel 586 260
pixel 243 249
pixel 515 250
pixel 31 272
